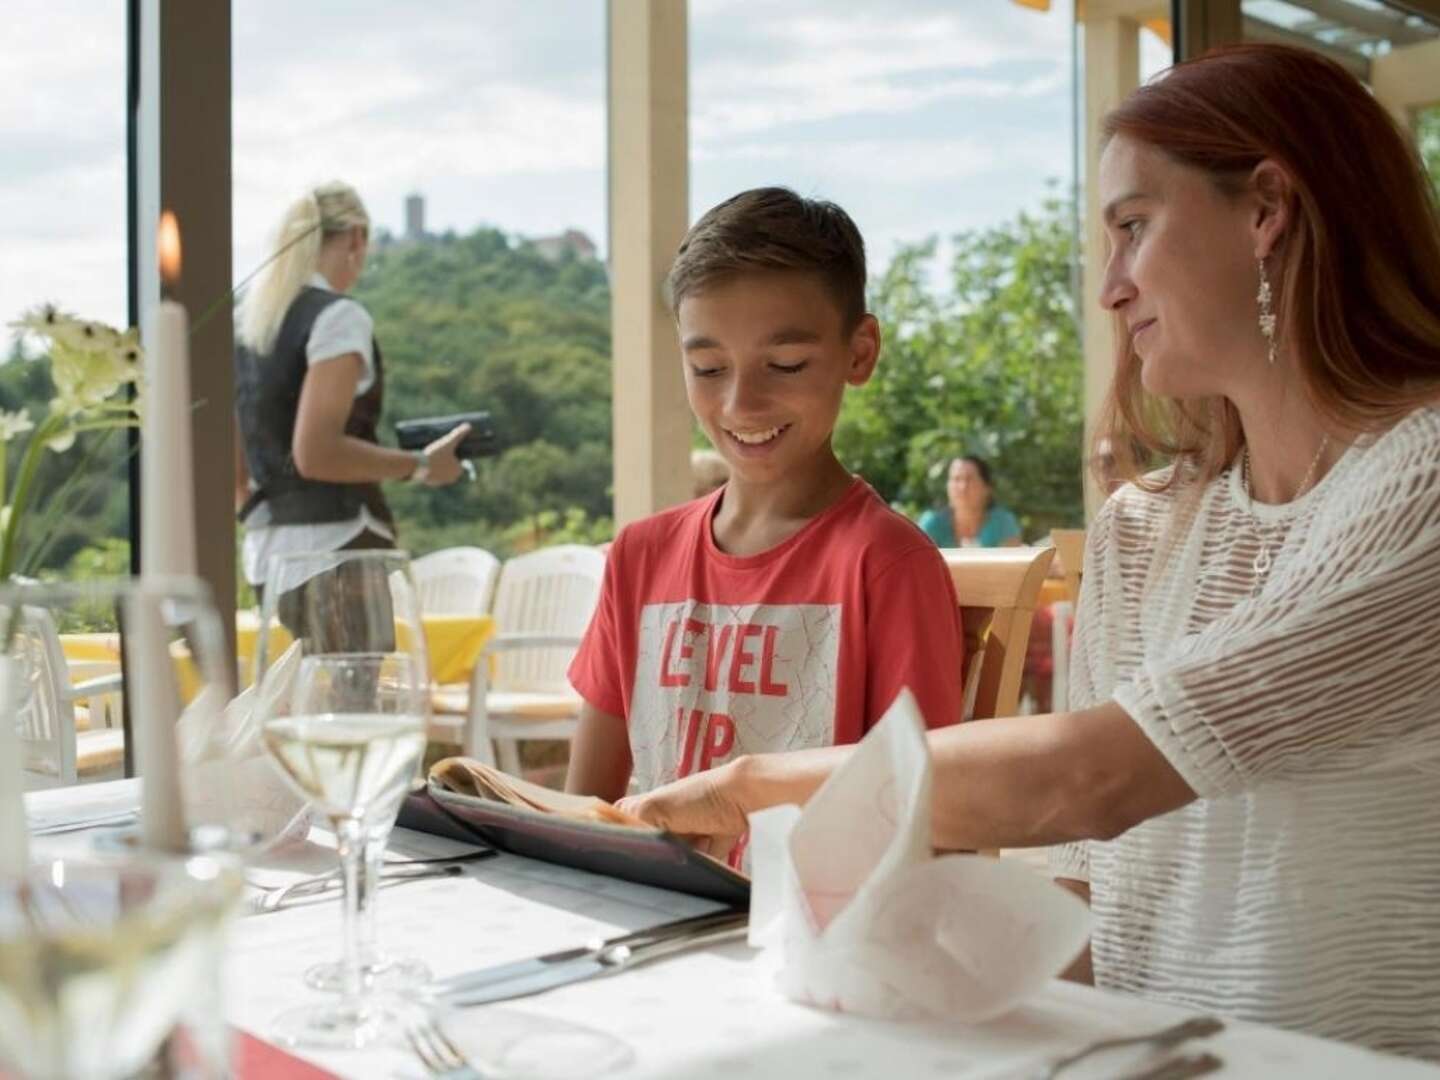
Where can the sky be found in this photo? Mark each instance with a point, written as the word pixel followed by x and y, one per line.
pixel 921 117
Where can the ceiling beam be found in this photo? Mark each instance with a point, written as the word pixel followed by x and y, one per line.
pixel 1388 25
pixel 1353 62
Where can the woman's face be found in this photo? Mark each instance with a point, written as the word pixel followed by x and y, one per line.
pixel 965 487
pixel 1182 272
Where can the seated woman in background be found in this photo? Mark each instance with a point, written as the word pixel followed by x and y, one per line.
pixel 972 518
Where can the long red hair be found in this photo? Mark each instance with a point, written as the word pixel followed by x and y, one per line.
pixel 1357 274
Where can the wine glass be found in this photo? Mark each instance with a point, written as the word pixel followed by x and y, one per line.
pixel 344 676
pixel 101 957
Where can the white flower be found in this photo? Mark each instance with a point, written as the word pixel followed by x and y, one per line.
pixel 85 377
pixel 14 423
pixel 61 441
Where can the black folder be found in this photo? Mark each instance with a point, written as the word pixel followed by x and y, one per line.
pixel 645 856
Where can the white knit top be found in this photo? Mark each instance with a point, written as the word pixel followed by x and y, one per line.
pixel 1302 888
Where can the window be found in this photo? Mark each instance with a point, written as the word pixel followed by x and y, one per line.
pixel 476 136
pixel 63 241
pixel 945 130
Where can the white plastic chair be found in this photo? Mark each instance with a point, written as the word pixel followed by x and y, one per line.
pixel 456 581
pixel 543 604
pixel 54 753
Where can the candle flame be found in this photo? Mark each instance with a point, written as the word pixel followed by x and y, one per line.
pixel 168 244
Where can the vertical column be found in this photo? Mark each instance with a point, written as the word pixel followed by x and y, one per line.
pixel 183 139
pixel 1112 70
pixel 1406 78
pixel 649 209
pixel 1202 25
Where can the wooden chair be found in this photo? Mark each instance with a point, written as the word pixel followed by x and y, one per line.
pixel 1070 550
pixel 997 589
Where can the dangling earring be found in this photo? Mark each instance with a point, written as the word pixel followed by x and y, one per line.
pixel 1267 314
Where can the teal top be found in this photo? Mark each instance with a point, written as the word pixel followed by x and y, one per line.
pixel 999 526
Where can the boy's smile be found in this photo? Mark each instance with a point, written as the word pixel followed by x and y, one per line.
pixel 767 360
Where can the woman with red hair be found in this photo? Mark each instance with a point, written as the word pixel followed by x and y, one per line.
pixel 1248 787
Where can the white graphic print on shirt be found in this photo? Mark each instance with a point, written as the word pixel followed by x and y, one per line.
pixel 715 681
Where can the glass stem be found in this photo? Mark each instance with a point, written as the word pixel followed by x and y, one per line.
pixel 365 896
pixel 350 840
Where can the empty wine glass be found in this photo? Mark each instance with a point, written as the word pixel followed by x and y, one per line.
pixel 348 698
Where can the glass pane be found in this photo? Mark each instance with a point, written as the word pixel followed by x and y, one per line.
pixel 63 241
pixel 475 136
pixel 945 129
pixel 1351 32
pixel 1427 134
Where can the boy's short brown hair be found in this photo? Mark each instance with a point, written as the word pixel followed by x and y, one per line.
pixel 768 229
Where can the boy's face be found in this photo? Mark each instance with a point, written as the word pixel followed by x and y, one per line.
pixel 767 360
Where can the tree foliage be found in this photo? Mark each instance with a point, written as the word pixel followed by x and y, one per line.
pixel 986 361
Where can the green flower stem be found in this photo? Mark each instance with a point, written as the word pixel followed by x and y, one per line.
pixel 24 481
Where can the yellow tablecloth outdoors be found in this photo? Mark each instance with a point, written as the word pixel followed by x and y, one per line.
pixel 455 643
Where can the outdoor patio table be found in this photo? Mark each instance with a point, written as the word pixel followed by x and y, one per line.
pixel 455 643
pixel 711 1013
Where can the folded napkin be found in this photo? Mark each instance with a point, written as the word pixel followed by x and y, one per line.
pixel 866 920
pixel 227 777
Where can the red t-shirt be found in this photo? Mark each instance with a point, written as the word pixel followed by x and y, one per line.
pixel 708 656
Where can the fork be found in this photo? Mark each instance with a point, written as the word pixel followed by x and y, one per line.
pixel 1179 1068
pixel 275 898
pixel 441 1057
pixel 1197 1027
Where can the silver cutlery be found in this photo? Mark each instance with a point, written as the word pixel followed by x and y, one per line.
pixel 121 817
pixel 441 1057
pixel 1197 1027
pixel 274 899
pixel 525 977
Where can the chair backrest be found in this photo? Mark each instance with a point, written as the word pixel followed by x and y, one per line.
pixel 997 589
pixel 1070 550
pixel 550 591
pixel 44 713
pixel 456 581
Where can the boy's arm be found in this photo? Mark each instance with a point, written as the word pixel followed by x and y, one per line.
pixel 600 756
pixel 915 639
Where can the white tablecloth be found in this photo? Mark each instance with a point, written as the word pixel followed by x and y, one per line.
pixel 712 1013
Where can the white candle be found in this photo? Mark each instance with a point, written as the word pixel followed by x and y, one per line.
pixel 14 836
pixel 167 487
pixel 156 699
pixel 167 547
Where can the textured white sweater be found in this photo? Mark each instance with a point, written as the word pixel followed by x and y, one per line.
pixel 1302 888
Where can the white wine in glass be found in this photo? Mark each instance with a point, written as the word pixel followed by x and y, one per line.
pixel 347 728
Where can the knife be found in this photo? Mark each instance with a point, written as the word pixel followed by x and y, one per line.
pixel 525 977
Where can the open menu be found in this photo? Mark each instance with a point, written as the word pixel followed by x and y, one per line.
pixel 467 800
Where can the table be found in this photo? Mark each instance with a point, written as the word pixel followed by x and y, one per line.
pixel 455 643
pixel 708 1014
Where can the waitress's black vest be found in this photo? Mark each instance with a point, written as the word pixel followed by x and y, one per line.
pixel 267 397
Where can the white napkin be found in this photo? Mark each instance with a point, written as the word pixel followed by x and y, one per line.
pixel 227 776
pixel 867 920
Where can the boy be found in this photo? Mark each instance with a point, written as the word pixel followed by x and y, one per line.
pixel 787 609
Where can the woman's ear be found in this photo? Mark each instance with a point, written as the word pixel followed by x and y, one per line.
pixel 1273 197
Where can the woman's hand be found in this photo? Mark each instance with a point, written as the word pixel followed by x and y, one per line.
pixel 705 808
pixel 444 466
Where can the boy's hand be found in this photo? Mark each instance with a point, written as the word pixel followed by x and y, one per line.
pixel 704 809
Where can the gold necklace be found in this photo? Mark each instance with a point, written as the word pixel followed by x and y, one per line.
pixel 1264 560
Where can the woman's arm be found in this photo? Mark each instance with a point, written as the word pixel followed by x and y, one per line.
pixel 1016 782
pixel 323 451
pixel 242 472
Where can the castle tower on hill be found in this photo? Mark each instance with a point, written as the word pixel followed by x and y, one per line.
pixel 414 217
